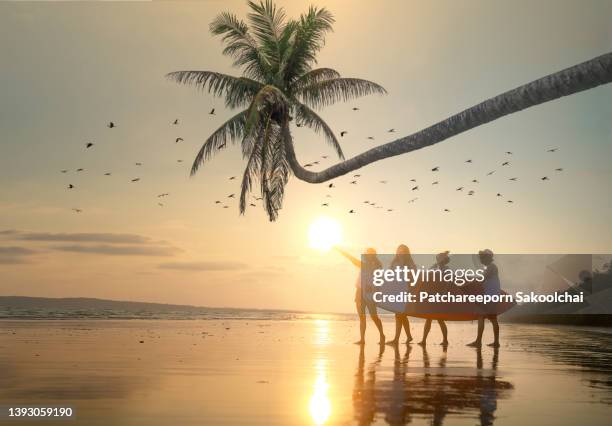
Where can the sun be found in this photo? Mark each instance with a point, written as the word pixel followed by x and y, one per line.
pixel 324 233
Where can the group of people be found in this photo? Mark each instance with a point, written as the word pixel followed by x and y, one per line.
pixel 403 258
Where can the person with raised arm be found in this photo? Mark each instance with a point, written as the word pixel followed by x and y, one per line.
pixel 364 290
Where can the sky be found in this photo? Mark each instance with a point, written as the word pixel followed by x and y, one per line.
pixel 70 68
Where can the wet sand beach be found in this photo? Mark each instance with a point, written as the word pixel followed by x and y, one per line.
pixel 192 372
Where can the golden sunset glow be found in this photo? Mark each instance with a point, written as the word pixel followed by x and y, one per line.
pixel 324 233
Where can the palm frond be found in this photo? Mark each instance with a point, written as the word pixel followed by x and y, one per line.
pixel 314 76
pixel 309 39
pixel 327 92
pixel 252 167
pixel 241 45
pixel 267 22
pixel 230 131
pixel 312 120
pixel 237 91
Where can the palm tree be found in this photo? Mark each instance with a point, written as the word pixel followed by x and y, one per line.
pixel 279 85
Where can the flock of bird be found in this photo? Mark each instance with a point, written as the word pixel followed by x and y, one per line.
pixel 413 186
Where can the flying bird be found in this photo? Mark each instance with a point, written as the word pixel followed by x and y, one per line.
pixel 324 156
pixel 474 181
pixel 391 130
pixel 552 150
pixel 325 205
pixel 446 210
pixel 508 152
pixel 415 188
pixel 355 109
pixel 107 174
pixel 217 202
pixel 64 171
pixel 342 133
pixel 434 183
pixel 460 188
pixel 135 179
pixel 79 170
pixel 510 201
pixel 70 186
pixel 490 173
pixel 111 125
pixel 435 169
pixel 383 181
pixel 353 182
pixel 357 176
pixel 560 169
pixel 212 112
pixel 389 210
pixel 232 178
pixel 545 178
pixel 351 211
pixel 371 137
pixel 412 180
pixel 471 193
pixel 231 196
pixel 513 179
pixel 89 144
pixel 505 163
pixel 331 185
pixel 138 164
pixel 175 122
pixel 77 210
pixel 468 161
pixel 498 194
pixel 179 161
pixel 177 140
pixel 225 207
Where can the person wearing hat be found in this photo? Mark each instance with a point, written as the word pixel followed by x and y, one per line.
pixel 492 287
pixel 442 261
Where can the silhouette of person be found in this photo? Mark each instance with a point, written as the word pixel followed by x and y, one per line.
pixel 364 291
pixel 402 258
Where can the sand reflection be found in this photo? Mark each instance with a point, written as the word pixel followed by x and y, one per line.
pixel 319 405
pixel 430 391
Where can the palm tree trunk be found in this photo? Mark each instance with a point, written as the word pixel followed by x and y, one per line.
pixel 578 78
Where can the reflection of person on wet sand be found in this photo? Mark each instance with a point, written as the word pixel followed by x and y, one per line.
pixel 489 393
pixel 364 391
pixel 364 291
pixel 492 287
pixel 434 392
pixel 402 258
pixel 396 411
pixel 442 261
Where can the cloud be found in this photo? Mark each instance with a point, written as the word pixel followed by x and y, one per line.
pixel 120 250
pixel 82 237
pixel 204 266
pixel 15 255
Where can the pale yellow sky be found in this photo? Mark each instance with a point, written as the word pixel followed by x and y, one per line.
pixel 70 68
